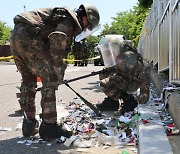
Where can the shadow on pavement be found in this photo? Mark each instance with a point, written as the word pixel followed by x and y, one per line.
pixel 94 87
pixel 11 146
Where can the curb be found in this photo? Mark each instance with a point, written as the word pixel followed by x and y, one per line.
pixel 7 63
pixel 152 137
pixel 174 106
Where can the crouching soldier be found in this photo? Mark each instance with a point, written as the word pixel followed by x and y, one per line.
pixel 126 74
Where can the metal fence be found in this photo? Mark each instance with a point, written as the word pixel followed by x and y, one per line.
pixel 160 42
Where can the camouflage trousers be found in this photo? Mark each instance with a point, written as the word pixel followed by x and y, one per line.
pixel 116 85
pixel 31 56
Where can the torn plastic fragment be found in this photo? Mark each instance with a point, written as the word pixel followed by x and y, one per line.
pixel 69 141
pixel 124 119
pixel 125 152
pixel 82 143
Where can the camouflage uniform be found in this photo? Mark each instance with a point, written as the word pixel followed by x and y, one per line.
pixel 38 43
pixel 80 53
pixel 76 52
pixel 127 76
pixel 85 53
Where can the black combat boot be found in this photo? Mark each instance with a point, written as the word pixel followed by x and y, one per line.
pixel 108 104
pixel 53 131
pixel 30 127
pixel 129 103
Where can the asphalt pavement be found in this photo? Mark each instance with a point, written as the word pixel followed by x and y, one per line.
pixel 152 137
pixel 11 139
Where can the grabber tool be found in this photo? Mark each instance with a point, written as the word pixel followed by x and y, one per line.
pixel 96 110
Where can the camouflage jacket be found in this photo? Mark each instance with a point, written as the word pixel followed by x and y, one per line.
pixel 129 74
pixel 52 27
pixel 46 19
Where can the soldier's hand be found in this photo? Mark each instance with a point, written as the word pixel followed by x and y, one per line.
pixel 106 72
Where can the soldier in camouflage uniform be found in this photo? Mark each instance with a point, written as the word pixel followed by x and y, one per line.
pixel 80 53
pixel 76 52
pixel 123 79
pixel 84 53
pixel 38 43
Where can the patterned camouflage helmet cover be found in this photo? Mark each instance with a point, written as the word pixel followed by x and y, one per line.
pixel 92 14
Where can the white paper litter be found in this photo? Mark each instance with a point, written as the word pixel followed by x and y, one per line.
pixel 82 144
pixel 119 147
pixel 49 144
pixel 123 135
pixel 69 141
pixel 108 140
pixel 21 141
pixel 124 119
pixel 5 129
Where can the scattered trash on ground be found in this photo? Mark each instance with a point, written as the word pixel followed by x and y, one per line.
pixel 119 131
pixel 92 131
pixel 161 106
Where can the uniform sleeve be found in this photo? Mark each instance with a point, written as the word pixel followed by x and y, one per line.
pixel 107 72
pixel 60 40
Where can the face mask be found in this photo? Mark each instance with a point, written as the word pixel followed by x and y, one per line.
pixel 86 33
pixel 110 48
